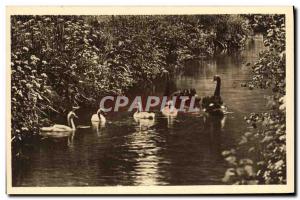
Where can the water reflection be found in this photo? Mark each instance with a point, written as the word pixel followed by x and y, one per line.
pixel 170 122
pixel 146 168
pixel 97 126
pixel 214 126
pixel 71 139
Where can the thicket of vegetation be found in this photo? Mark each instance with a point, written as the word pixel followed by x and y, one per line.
pixel 267 138
pixel 61 61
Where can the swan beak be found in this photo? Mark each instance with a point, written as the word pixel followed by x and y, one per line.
pixel 75 107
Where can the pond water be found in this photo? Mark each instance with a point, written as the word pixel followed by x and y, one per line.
pixel 181 151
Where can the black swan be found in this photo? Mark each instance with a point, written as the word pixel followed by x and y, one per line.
pixel 214 104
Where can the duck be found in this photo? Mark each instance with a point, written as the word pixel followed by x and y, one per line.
pixel 142 115
pixel 98 117
pixel 169 110
pixel 214 104
pixel 63 128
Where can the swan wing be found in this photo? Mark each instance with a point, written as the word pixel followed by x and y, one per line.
pixel 56 128
pixel 95 118
pixel 168 112
pixel 102 119
pixel 60 126
pixel 143 115
pixel 57 134
pixel 46 129
pixel 146 123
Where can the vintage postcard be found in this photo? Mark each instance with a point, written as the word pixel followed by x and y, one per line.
pixel 150 100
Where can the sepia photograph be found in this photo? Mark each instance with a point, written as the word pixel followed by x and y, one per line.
pixel 141 100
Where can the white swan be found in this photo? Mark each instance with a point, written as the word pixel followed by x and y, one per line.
pixel 169 110
pixel 142 115
pixel 144 124
pixel 98 117
pixel 62 128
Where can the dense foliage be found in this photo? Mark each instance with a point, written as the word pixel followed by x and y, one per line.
pixel 266 140
pixel 61 61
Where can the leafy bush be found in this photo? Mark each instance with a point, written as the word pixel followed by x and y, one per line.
pixel 265 143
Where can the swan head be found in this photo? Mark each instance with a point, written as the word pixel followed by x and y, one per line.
pixel 216 78
pixel 101 111
pixel 193 92
pixel 74 108
pixel 170 104
pixel 185 92
pixel 72 115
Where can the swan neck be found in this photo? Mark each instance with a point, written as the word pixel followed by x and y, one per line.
pixel 218 88
pixel 72 124
pixel 98 113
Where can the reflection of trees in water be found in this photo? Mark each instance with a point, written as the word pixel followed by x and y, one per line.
pixel 114 160
pixel 192 150
pixel 166 86
pixel 20 170
pixel 161 86
pixel 191 68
